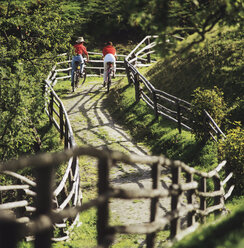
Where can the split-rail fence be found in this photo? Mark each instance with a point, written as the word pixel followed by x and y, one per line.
pixel 188 192
pixel 162 103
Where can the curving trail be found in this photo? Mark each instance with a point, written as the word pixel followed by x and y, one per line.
pixel 93 125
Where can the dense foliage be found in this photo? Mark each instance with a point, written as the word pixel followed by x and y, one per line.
pixel 169 18
pixel 105 20
pixel 32 32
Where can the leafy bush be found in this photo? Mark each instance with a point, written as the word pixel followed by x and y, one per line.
pixel 231 149
pixel 212 101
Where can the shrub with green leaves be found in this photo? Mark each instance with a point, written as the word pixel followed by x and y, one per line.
pixel 232 150
pixel 212 101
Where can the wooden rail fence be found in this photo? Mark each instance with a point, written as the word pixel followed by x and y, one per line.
pixel 67 191
pixel 187 190
pixel 162 103
pixel 94 67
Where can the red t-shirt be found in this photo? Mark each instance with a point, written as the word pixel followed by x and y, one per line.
pixel 80 49
pixel 109 49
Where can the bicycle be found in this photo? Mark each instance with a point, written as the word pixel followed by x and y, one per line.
pixel 78 75
pixel 109 75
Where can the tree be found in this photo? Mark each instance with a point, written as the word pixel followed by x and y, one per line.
pixel 170 18
pixel 32 33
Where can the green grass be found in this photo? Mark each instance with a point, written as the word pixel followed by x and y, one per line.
pixel 85 234
pixel 227 232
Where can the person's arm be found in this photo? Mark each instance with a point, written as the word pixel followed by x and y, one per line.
pixel 86 53
pixel 103 53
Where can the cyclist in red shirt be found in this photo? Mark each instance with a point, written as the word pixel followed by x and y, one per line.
pixel 109 55
pixel 79 50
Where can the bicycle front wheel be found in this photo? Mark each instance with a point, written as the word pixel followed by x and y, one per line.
pixel 73 84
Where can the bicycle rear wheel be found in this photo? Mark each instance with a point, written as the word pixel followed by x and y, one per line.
pixel 109 80
pixel 76 80
pixel 83 79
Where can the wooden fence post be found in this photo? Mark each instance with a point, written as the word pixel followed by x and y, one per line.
pixel 44 181
pixel 203 203
pixel 137 87
pixel 10 231
pixel 73 169
pixel 103 238
pixel 127 71
pixel 132 57
pixel 178 116
pixel 156 172
pixel 20 196
pixel 217 199
pixel 175 223
pixel 70 64
pixel 190 215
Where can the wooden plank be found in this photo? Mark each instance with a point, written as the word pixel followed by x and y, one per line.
pixel 227 179
pixel 64 179
pixel 226 196
pixel 71 194
pixel 18 176
pixel 12 205
pixel 13 187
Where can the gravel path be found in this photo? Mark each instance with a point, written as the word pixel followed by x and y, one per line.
pixel 93 125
